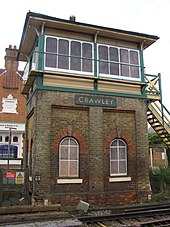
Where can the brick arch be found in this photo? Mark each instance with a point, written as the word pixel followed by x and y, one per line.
pixel 114 135
pixel 64 133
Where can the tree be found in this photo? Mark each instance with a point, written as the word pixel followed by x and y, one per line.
pixel 153 138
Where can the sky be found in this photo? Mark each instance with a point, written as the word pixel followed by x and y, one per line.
pixel 144 16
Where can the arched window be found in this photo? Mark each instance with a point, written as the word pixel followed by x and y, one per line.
pixel 68 157
pixel 118 158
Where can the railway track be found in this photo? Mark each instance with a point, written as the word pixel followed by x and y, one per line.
pixel 137 216
pixel 150 215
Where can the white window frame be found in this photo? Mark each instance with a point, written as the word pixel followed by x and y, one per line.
pixel 69 160
pixel 118 159
pixel 69 70
pixel 118 76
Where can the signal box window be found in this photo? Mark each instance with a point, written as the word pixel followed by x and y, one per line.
pixel 68 55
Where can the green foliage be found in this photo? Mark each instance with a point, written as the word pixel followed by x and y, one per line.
pixel 160 179
pixel 159 197
pixel 164 173
pixel 153 138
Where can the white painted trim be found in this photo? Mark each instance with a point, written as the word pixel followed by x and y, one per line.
pixel 69 181
pixel 119 179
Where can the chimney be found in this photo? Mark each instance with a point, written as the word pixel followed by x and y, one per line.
pixel 11 66
pixel 73 18
pixel 11 62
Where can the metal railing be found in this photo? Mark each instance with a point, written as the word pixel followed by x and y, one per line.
pixel 91 68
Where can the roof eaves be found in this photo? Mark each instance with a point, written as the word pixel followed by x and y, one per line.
pixel 42 16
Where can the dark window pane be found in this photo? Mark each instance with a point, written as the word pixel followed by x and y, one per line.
pixel 124 56
pixel 134 71
pixel 114 167
pixel 134 57
pixel 121 143
pixel 124 70
pixel 73 168
pixel 73 153
pixel 75 63
pixel 114 69
pixel 103 53
pixel 51 58
pixel 114 143
pixel 73 142
pixel 63 49
pixel 122 167
pixel 113 54
pixel 87 53
pixel 114 154
pixel 15 139
pixel 0 138
pixel 122 154
pixel 64 168
pixel 64 152
pixel 65 142
pixel 103 68
pixel 7 139
pixel 51 45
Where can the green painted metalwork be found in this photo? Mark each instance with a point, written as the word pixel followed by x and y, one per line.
pixel 51 88
pixel 142 66
pixel 41 52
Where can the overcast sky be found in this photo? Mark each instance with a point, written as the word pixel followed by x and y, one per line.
pixel 143 16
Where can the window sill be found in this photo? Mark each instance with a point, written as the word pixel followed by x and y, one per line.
pixel 119 179
pixel 69 181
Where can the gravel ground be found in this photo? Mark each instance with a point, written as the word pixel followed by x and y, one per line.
pixel 63 223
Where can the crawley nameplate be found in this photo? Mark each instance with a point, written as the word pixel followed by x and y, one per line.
pixel 88 100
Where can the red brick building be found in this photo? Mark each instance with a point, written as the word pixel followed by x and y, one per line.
pixel 12 111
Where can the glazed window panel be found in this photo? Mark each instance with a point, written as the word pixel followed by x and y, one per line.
pixel 69 55
pixel 114 153
pixel 114 69
pixel 68 157
pixel 75 56
pixel 87 57
pixel 15 139
pixel 73 153
pixel 114 167
pixel 64 152
pixel 6 139
pixel 134 70
pixel 73 169
pixel 103 60
pixel 134 58
pixel 63 54
pixel 122 167
pixel 118 62
pixel 51 49
pixel 63 169
pixel 118 158
pixel 122 153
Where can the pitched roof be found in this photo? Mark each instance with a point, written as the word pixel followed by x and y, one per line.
pixel 37 21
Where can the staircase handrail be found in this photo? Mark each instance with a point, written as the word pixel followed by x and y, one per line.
pixel 153 84
pixel 162 111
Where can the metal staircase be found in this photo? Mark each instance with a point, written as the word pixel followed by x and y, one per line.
pixel 157 114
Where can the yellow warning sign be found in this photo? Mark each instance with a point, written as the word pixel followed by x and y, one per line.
pixel 19 178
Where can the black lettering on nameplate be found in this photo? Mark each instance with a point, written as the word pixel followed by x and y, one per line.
pixel 87 100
